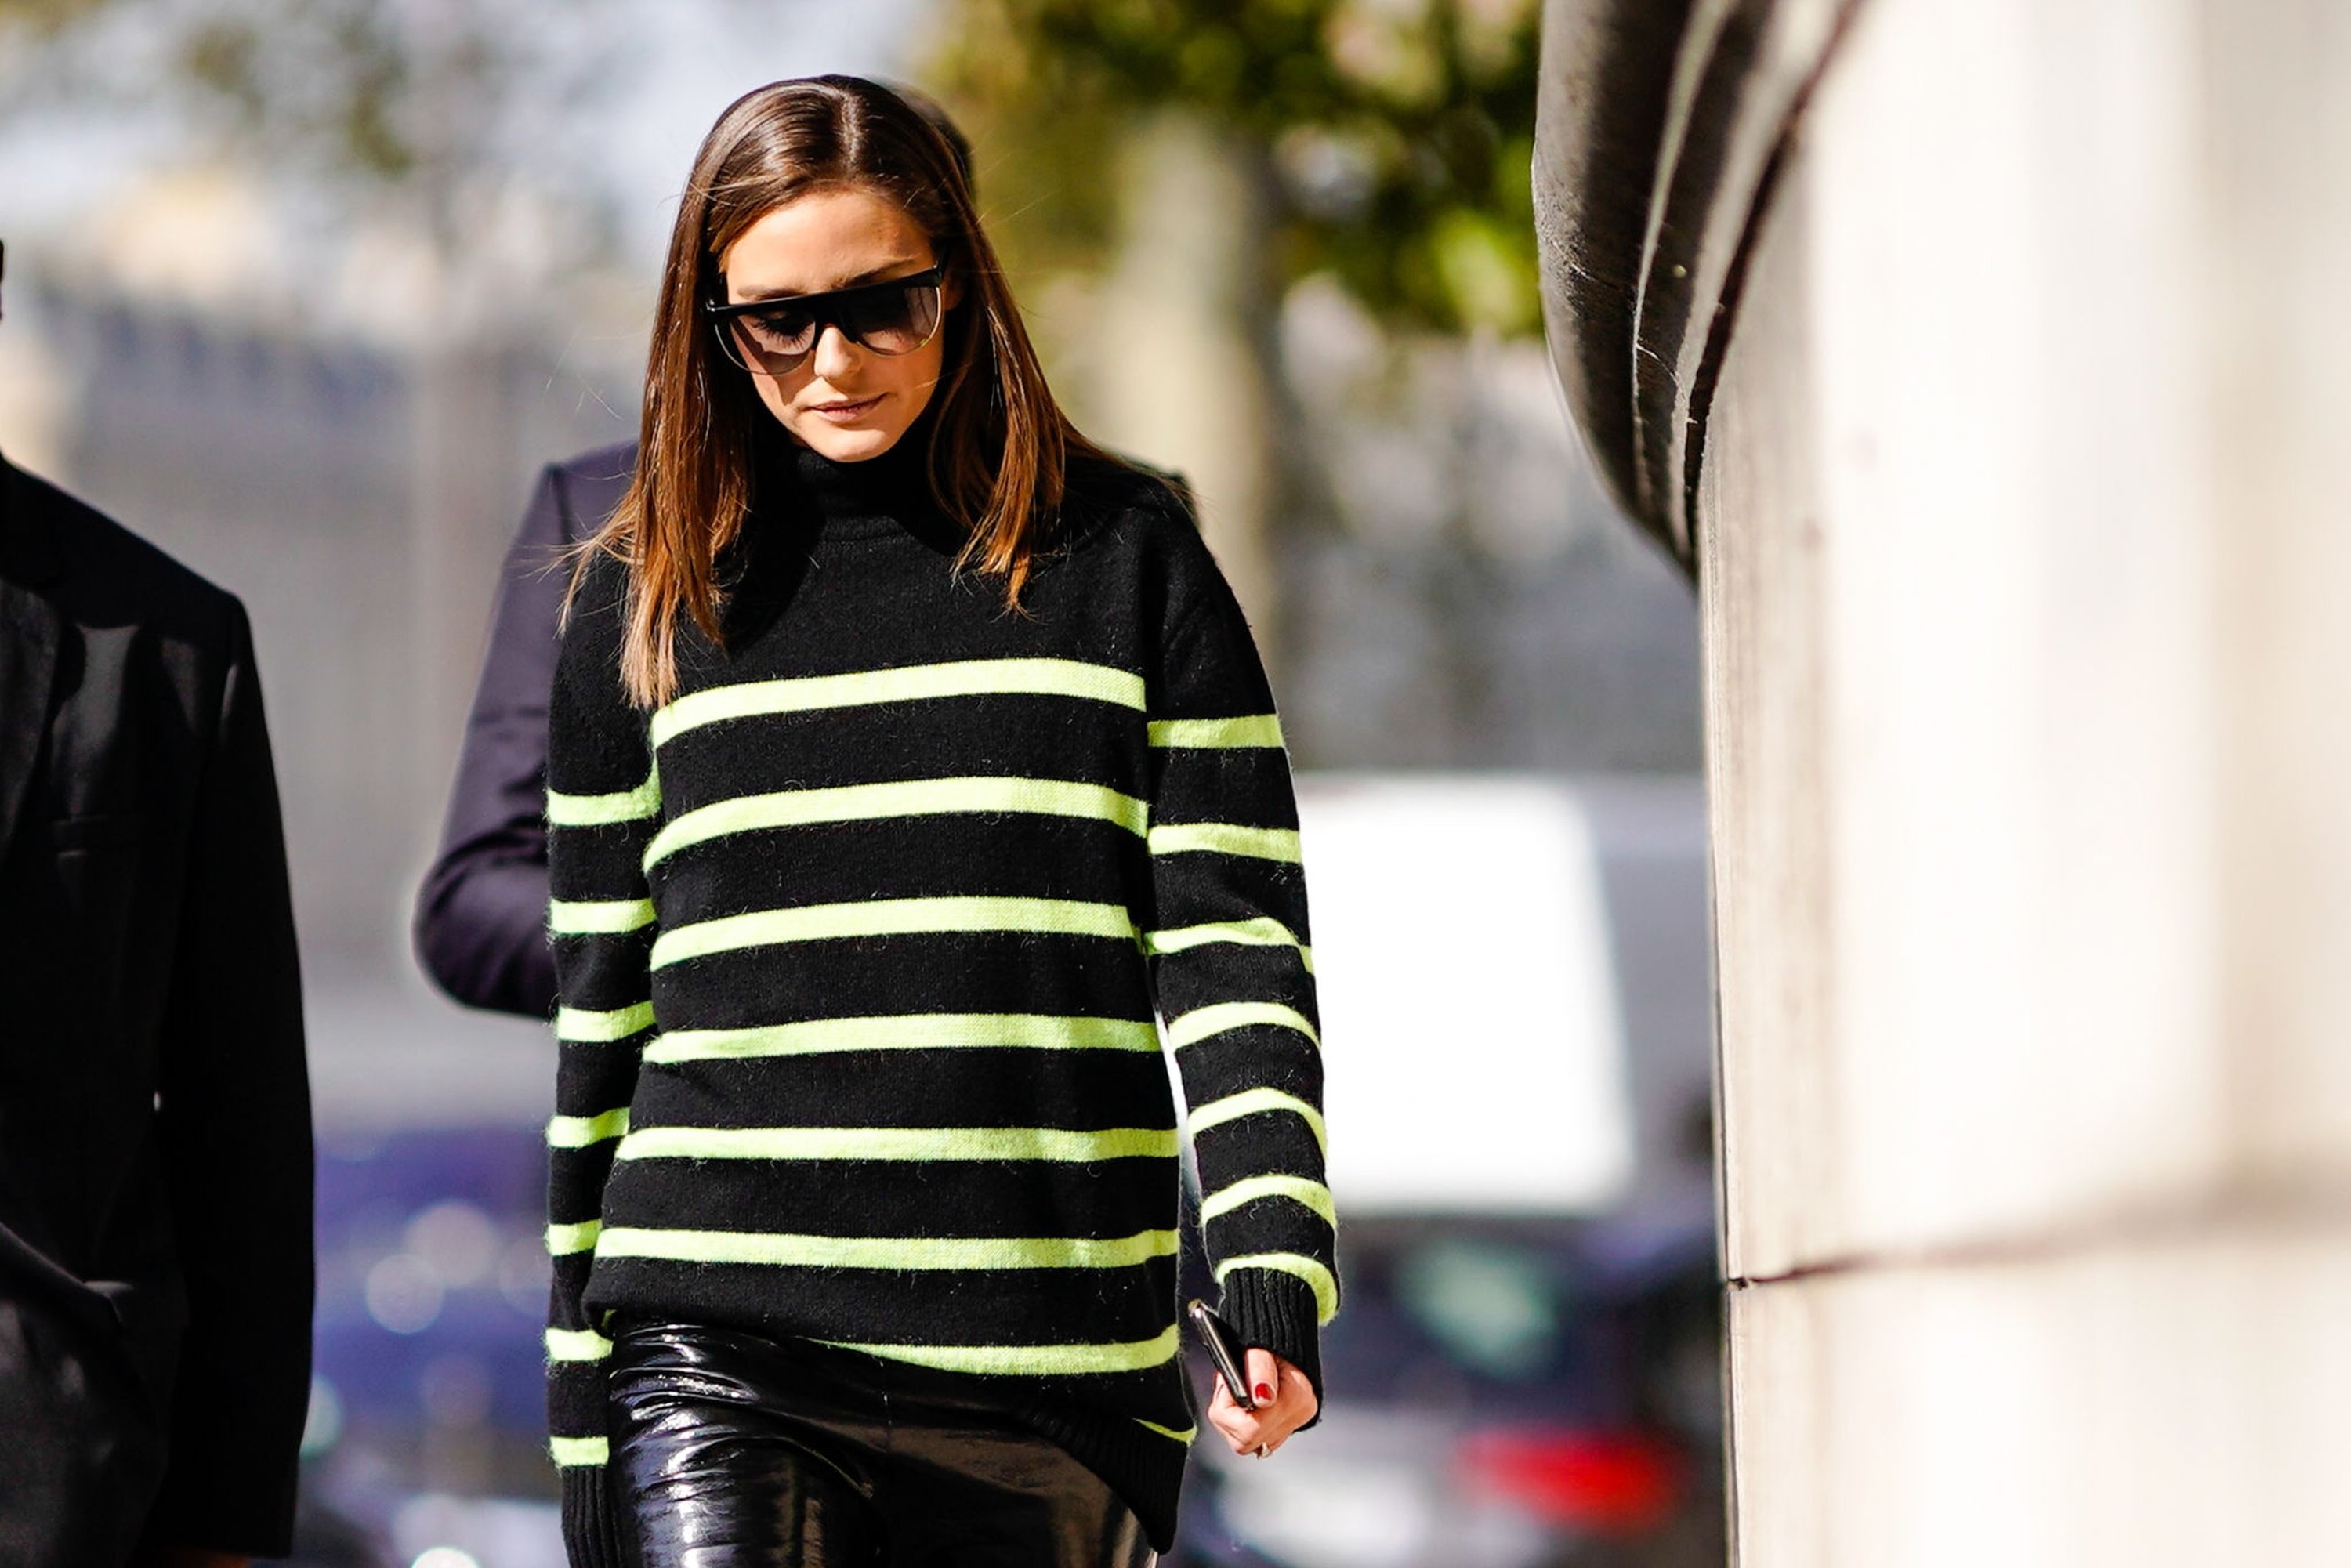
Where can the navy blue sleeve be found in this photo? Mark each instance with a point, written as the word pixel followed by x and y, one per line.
pixel 481 914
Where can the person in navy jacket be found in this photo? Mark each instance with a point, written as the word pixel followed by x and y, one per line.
pixel 481 914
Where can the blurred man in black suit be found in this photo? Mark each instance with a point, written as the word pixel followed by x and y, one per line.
pixel 155 1160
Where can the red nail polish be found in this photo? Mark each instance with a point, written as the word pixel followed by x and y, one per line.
pixel 1264 1391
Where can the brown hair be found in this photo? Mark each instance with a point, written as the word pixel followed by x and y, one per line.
pixel 999 442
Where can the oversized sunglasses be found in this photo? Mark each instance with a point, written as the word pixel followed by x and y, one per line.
pixel 775 337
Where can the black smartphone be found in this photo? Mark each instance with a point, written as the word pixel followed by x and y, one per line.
pixel 1225 1348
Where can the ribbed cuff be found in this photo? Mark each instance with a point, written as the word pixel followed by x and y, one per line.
pixel 592 1524
pixel 1276 1312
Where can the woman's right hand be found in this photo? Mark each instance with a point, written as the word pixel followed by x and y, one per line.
pixel 1285 1402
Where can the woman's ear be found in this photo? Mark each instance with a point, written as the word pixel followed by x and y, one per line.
pixel 951 289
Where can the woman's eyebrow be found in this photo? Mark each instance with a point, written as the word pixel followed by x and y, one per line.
pixel 873 273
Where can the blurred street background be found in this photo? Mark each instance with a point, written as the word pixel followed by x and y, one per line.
pixel 307 291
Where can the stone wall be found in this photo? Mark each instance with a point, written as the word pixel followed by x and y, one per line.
pixel 2023 558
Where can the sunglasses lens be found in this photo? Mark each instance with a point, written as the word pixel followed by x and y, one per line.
pixel 776 335
pixel 892 320
pixel 885 319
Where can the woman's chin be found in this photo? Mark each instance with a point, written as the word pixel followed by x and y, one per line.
pixel 847 443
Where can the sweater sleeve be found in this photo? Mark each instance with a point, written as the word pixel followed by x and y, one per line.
pixel 1234 977
pixel 603 804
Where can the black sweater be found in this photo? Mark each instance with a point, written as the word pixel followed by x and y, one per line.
pixel 859 945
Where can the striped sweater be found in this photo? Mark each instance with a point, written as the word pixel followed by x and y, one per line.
pixel 866 947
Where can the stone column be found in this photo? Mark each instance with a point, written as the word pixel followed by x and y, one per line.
pixel 2024 559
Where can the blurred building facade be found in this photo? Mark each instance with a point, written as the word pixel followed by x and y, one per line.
pixel 360 497
pixel 1459 593
pixel 1983 359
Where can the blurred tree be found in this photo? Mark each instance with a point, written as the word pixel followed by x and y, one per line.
pixel 1391 138
pixel 1187 161
pixel 42 15
pixel 431 103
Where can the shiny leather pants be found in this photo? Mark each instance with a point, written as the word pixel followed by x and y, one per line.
pixel 733 1450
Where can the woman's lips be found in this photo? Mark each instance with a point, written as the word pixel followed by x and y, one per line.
pixel 845 412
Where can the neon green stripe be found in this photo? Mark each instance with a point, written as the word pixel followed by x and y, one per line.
pixel 1227 839
pixel 889 1251
pixel 1261 932
pixel 577 1026
pixel 898 1143
pixel 906 1031
pixel 570 1452
pixel 1256 1101
pixel 609 918
pixel 1031 1360
pixel 577 1345
pixel 600 810
pixel 1326 1284
pixel 1184 1436
pixel 1301 1190
pixel 964 678
pixel 890 917
pixel 907 798
pixel 580 1132
pixel 1217 1017
pixel 564 1240
pixel 1250 730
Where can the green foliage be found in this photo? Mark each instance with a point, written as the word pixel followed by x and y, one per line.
pixel 268 68
pixel 42 15
pixel 360 97
pixel 1394 136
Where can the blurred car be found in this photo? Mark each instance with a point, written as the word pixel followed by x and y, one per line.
pixel 1503 1394
pixel 426 1442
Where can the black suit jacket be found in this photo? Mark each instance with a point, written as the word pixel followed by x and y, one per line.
pixel 155 1159
pixel 481 914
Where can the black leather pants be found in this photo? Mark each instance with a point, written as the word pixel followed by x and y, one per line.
pixel 733 1450
pixel 83 1452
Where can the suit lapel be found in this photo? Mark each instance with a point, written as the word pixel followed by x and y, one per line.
pixel 28 644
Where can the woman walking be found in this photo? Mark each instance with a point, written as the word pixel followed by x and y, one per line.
pixel 906 754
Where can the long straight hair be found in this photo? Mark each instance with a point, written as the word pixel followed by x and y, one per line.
pixel 999 444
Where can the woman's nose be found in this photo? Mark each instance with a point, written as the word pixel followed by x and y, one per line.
pixel 835 354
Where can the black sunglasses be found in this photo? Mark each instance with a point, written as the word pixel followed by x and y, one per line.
pixel 775 337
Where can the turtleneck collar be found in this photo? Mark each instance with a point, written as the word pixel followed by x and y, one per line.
pixel 876 497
